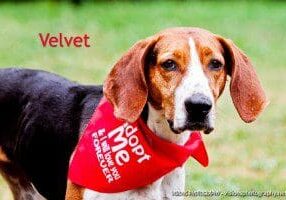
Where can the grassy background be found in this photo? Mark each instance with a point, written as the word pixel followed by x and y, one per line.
pixel 242 156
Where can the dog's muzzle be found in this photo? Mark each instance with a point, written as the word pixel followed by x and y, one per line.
pixel 198 110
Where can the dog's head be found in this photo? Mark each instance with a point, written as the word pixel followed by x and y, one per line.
pixel 182 72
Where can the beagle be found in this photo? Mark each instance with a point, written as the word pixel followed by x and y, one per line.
pixel 172 80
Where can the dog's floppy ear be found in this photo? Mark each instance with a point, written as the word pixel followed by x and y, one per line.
pixel 246 91
pixel 125 86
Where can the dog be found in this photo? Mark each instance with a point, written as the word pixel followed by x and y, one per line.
pixel 172 80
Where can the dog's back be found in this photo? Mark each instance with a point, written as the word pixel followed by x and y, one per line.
pixel 41 115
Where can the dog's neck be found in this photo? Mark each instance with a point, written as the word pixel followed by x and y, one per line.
pixel 157 122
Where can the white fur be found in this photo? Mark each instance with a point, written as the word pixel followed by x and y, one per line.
pixel 159 125
pixel 162 188
pixel 195 81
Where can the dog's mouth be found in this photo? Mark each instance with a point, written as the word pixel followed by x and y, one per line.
pixel 191 126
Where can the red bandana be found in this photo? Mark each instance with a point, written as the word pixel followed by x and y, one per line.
pixel 115 156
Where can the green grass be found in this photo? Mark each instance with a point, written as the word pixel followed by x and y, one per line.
pixel 242 156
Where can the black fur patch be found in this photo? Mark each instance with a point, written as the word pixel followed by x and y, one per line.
pixel 41 115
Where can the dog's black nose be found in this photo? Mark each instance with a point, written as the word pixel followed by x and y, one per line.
pixel 198 105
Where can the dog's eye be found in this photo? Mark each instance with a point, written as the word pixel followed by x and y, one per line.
pixel 215 65
pixel 169 65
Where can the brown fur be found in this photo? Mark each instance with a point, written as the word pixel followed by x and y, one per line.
pixel 129 73
pixel 245 88
pixel 162 83
pixel 136 77
pixel 75 192
pixel 3 156
pixel 209 48
pixel 128 88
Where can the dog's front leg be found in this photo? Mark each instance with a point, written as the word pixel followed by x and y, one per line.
pixel 174 182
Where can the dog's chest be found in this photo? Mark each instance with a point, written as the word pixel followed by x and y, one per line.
pixel 160 189
pixel 164 187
